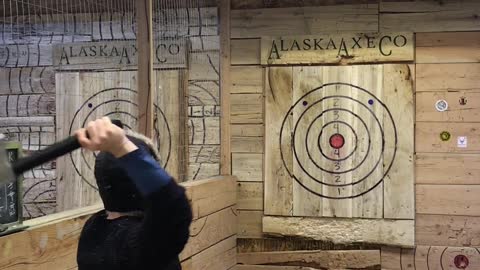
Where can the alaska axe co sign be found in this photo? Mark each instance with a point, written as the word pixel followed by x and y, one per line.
pixel 342 48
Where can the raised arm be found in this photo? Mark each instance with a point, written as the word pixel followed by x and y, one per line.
pixel 165 227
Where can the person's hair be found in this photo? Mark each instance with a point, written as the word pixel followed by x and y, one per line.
pixel 117 191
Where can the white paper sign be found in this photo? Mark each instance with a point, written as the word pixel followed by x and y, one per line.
pixel 462 142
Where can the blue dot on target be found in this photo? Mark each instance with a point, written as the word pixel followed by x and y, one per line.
pixel 370 101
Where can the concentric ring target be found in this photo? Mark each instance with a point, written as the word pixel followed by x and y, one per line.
pixel 338 139
pixel 116 103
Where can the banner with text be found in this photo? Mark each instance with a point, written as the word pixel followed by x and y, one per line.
pixel 341 48
pixel 114 55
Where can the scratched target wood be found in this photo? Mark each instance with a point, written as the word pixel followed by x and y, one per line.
pixel 340 142
pixel 82 97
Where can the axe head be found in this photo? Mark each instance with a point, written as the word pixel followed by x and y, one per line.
pixel 6 172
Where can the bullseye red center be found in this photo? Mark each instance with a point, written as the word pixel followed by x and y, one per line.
pixel 337 141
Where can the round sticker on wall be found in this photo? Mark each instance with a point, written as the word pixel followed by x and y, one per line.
pixel 441 105
pixel 445 136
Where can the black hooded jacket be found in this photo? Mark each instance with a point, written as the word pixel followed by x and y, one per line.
pixel 152 240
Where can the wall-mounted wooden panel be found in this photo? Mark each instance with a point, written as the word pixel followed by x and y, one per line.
pixel 447 77
pixel 447 230
pixel 463 106
pixel 455 47
pixel 444 168
pixel 460 200
pixel 245 51
pixel 429 16
pixel 428 137
pixel 304 21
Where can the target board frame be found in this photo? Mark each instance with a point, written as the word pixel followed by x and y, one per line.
pixel 339 141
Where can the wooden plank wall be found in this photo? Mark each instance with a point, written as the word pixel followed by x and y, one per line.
pixel 27 88
pixel 447 67
pixel 51 242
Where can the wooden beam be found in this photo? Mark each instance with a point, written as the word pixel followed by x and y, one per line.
pixel 225 156
pixel 371 231
pixel 145 66
pixel 317 259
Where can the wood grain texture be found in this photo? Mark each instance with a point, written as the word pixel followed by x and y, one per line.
pixel 447 169
pixel 430 257
pixel 463 106
pixel 246 109
pixel 221 256
pixel 247 167
pixel 211 195
pixel 145 58
pixel 254 4
pixel 270 267
pixel 447 230
pixel 245 245
pixel 319 189
pixel 398 93
pixel 250 224
pixel 82 97
pixel 316 259
pixel 400 232
pixel 428 140
pixel 278 183
pixel 245 51
pixel 248 130
pixel 50 246
pixel 453 47
pixel 304 21
pixel 429 16
pixel 448 200
pixel 225 88
pixel 247 145
pixel 250 196
pixel 338 48
pixel 210 230
pixel 247 79
pixel 447 77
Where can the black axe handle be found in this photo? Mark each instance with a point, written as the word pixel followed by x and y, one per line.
pixel 49 153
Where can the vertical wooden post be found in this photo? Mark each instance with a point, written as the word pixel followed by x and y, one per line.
pixel 145 67
pixel 225 157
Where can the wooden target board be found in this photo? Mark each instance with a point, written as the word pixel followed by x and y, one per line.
pixel 82 97
pixel 339 142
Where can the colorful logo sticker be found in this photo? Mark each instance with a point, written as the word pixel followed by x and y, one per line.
pixel 441 105
pixel 445 136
